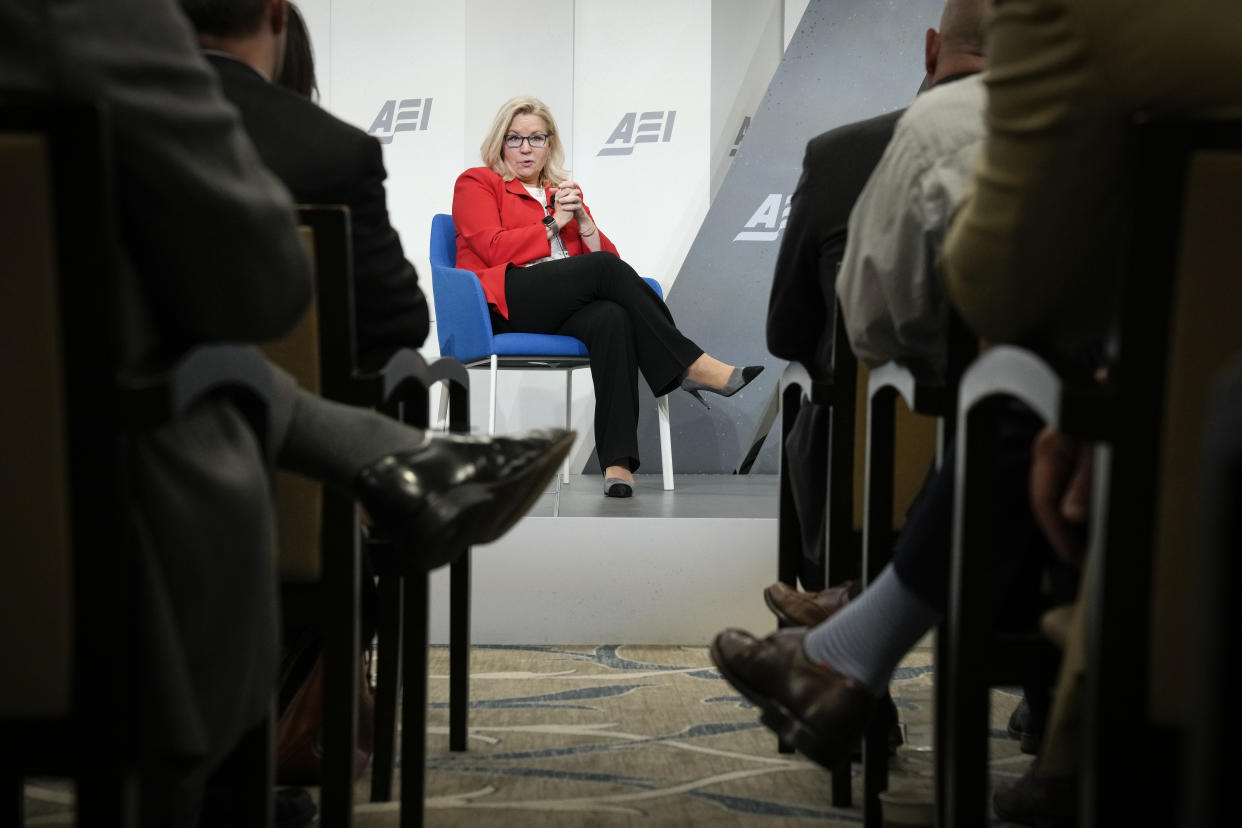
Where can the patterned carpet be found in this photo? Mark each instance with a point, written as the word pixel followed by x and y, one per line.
pixel 642 736
pixel 625 736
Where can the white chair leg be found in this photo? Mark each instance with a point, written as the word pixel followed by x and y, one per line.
pixel 491 416
pixel 569 399
pixel 442 416
pixel 666 443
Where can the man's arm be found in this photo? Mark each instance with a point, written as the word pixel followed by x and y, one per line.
pixel 1032 249
pixel 210 231
pixel 887 258
pixel 835 168
pixel 797 312
pixel 893 302
pixel 390 307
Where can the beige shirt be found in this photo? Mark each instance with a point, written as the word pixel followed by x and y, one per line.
pixel 891 292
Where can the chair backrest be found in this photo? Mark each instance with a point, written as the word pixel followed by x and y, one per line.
pixel 443 241
pixel 320 353
pixel 35 593
pixel 333 256
pixel 299 500
pixel 1204 331
pixel 68 574
pixel 1213 766
pixel 1180 317
pixel 463 324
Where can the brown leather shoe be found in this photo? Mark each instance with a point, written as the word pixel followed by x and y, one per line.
pixel 812 707
pixel 807 609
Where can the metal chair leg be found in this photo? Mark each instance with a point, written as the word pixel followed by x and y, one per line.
pixel 666 442
pixel 962 746
pixel 875 765
pixel 414 701
pixel 12 799
pixel 441 423
pixel 569 420
pixel 459 651
pixel 108 797
pixel 789 539
pixel 340 586
pixel 251 774
pixel 387 687
pixel 842 785
pixel 491 415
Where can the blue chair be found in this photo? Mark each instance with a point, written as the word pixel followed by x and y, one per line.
pixel 465 332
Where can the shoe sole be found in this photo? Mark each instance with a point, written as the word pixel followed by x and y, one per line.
pixel 777 718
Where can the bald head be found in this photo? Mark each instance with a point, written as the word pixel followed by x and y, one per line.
pixel 963 24
pixel 958 47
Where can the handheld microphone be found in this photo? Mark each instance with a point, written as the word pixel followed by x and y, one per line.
pixel 557 243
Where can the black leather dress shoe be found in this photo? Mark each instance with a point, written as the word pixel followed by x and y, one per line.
pixel 811 706
pixel 455 491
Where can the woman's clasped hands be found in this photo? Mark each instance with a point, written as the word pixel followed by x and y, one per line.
pixel 568 201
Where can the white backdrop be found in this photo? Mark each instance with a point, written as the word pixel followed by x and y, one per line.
pixel 663 85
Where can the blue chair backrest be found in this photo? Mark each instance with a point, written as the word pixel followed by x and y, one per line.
pixel 443 241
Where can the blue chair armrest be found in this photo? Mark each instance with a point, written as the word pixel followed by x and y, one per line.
pixel 654 286
pixel 463 324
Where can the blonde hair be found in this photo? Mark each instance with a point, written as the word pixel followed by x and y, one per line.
pixel 492 150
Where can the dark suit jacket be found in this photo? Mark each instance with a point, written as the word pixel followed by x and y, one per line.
pixel 323 160
pixel 835 169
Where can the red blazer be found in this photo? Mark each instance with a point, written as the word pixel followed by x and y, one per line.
pixel 499 224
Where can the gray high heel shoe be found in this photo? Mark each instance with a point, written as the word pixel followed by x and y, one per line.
pixel 738 380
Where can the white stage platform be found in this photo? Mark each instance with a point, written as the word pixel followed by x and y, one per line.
pixel 658 568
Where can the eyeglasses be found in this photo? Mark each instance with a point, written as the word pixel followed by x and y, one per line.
pixel 536 141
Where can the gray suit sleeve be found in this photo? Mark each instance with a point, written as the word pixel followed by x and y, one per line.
pixel 211 232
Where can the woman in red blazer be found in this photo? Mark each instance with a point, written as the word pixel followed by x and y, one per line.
pixel 546 268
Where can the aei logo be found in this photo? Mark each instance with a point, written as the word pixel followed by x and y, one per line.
pixel 633 129
pixel 409 115
pixel 741 133
pixel 772 214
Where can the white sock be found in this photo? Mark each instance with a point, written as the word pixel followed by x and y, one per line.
pixel 869 636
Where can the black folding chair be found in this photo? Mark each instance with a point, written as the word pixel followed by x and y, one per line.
pixel 70 585
pixel 1178 318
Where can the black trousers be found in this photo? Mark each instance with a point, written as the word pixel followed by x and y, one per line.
pixel 627 329
pixel 923 555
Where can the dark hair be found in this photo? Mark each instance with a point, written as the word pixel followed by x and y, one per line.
pixel 297 71
pixel 225 18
